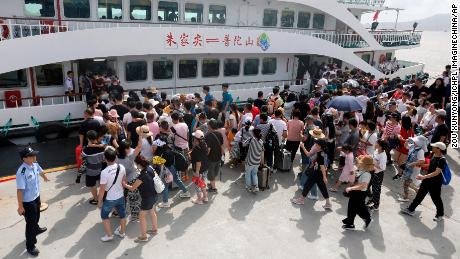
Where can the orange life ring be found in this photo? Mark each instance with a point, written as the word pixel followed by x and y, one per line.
pixel 382 58
pixel 5 31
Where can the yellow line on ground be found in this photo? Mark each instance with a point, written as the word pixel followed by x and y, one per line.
pixel 47 171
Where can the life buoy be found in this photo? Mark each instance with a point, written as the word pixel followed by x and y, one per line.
pixel 5 33
pixel 382 58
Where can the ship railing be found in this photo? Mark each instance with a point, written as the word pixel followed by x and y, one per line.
pixel 19 28
pixel 374 3
pixel 397 38
pixel 41 101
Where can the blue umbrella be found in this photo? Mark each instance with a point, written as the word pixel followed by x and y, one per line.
pixel 344 103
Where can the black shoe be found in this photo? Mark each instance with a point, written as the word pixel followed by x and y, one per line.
pixel 33 252
pixel 396 177
pixel 212 190
pixel 348 227
pixel 93 202
pixel 78 179
pixel 390 162
pixel 368 223
pixel 41 230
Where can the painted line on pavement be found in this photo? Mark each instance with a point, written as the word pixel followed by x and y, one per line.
pixel 46 171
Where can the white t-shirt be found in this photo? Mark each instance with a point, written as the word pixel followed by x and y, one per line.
pixel 146 150
pixel 280 126
pixel 247 116
pixel 380 161
pixel 401 106
pixel 420 156
pixel 372 139
pixel 127 118
pixel 68 84
pixel 107 177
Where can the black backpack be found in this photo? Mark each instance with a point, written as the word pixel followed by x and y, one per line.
pixel 272 138
pixel 180 162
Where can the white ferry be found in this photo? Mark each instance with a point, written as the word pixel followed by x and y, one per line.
pixel 179 46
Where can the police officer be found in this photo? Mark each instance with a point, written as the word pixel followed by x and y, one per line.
pixel 27 185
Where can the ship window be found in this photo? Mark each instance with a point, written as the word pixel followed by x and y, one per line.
pixel 303 20
pixel 388 56
pixel 210 68
pixel 269 66
pixel 13 79
pixel 110 9
pixel 136 71
pixel 168 11
pixel 50 74
pixel 140 10
pixel 163 69
pixel 318 21
pixel 76 8
pixel 366 57
pixel 287 18
pixel 270 17
pixel 232 67
pixel 193 13
pixel 251 66
pixel 40 8
pixel 188 68
pixel 217 14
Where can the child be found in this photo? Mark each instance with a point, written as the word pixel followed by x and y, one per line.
pixel 380 163
pixel 348 174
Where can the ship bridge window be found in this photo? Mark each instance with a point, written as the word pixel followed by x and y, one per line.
pixel 40 8
pixel 163 69
pixel 303 20
pixel 217 14
pixel 188 68
pixel 193 13
pixel 76 8
pixel 270 17
pixel 232 67
pixel 210 68
pixel 287 18
pixel 251 66
pixel 140 10
pixel 13 79
pixel 50 74
pixel 318 21
pixel 110 9
pixel 269 66
pixel 168 11
pixel 136 71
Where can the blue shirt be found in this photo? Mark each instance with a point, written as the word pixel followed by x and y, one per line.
pixel 208 97
pixel 27 179
pixel 226 98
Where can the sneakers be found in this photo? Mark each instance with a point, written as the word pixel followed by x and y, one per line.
pixel 369 203
pixel 164 205
pixel 106 238
pixel 255 189
pixel 396 177
pixel 33 252
pixel 407 211
pixel 311 197
pixel 367 223
pixel 438 218
pixel 332 189
pixel 249 188
pixel 185 194
pixel 118 233
pixel 348 227
pixel 401 199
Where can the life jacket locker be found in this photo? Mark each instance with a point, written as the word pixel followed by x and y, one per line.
pixel 13 98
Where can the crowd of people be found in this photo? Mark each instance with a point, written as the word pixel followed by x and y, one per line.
pixel 138 145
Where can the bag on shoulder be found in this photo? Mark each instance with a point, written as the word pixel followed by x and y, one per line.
pixel 446 175
pixel 159 185
pixel 180 161
pixel 272 138
pixel 167 175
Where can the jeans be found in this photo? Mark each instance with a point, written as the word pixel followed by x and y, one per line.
pixel 32 216
pixel 177 180
pixel 303 181
pixel 251 175
pixel 109 205
pixel 316 178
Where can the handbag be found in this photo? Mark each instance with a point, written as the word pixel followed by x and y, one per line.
pixel 159 185
pixel 167 175
pixel 114 181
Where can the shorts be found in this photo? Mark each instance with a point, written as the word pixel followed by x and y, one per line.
pixel 91 180
pixel 213 170
pixel 148 202
pixel 109 205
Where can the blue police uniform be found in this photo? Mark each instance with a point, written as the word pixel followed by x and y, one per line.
pixel 28 180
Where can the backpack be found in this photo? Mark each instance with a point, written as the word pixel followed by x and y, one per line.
pixel 272 138
pixel 180 162
pixel 446 175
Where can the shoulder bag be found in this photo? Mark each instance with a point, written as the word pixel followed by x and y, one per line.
pixel 114 181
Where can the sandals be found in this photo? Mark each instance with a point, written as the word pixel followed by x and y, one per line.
pixel 152 232
pixel 332 189
pixel 298 201
pixel 327 206
pixel 196 201
pixel 141 239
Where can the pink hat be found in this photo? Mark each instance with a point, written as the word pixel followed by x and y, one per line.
pixel 198 134
pixel 113 113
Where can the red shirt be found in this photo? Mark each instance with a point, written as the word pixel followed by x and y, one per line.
pixel 398 95
pixel 405 134
pixel 255 111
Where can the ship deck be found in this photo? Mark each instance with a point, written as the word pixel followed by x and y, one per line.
pixel 237 224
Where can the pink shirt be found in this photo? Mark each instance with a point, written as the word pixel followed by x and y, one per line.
pixel 295 128
pixel 180 137
pixel 348 167
pixel 154 128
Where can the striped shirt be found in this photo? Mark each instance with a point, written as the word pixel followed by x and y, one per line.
pixel 391 130
pixel 264 129
pixel 256 147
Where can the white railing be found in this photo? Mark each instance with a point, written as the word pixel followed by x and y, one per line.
pixel 40 101
pixel 18 30
pixel 397 38
pixel 375 3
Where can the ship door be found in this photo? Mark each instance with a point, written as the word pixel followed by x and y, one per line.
pixel 303 63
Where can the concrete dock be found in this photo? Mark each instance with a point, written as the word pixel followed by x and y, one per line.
pixel 237 224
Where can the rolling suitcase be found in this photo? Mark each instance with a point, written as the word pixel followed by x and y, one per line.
pixel 262 176
pixel 284 160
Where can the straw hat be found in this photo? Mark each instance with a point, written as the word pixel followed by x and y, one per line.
pixel 366 163
pixel 152 89
pixel 143 131
pixel 317 133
